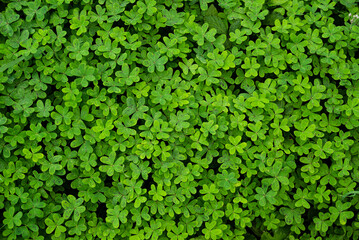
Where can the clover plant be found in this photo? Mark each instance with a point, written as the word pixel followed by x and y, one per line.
pixel 179 119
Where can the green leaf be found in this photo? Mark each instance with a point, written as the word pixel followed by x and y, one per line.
pixel 214 21
pixel 235 145
pixel 8 17
pixel 113 164
pixel 12 219
pixel 115 215
pixel 202 34
pixel 301 196
pixel 158 193
pixel 211 232
pixel 54 225
pixel 340 211
pixel 155 61
pixel 276 2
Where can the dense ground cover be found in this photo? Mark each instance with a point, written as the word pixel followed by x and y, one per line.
pixel 175 119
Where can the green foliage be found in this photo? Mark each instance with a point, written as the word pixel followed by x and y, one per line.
pixel 178 119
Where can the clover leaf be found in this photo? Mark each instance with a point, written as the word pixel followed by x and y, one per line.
pixel 54 225
pixel 155 61
pixel 12 219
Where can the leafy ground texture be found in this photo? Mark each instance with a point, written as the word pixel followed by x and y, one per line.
pixel 174 119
